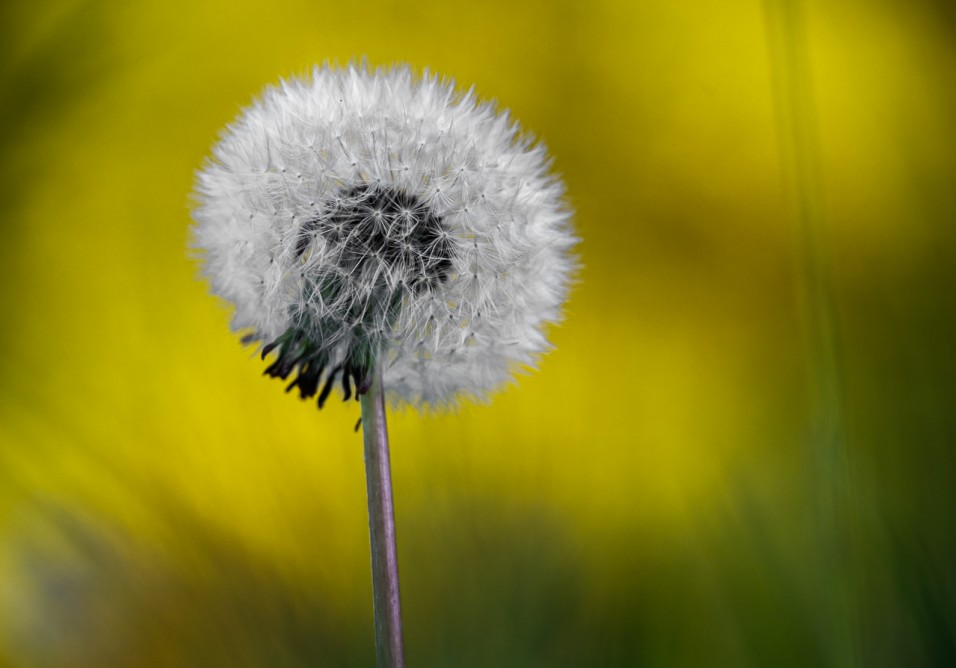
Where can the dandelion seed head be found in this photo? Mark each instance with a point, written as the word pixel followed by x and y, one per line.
pixel 357 216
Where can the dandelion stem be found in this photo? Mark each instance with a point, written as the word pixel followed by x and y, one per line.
pixel 381 522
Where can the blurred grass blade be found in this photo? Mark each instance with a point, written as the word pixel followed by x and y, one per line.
pixel 799 143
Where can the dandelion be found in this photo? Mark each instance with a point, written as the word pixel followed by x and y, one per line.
pixel 384 234
pixel 358 217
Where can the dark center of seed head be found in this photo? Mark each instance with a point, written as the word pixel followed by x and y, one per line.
pixel 372 227
pixel 384 236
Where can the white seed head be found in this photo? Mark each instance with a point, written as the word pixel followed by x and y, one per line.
pixel 357 216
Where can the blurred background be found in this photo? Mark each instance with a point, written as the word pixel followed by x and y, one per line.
pixel 741 452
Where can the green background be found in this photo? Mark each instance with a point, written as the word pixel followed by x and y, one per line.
pixel 719 465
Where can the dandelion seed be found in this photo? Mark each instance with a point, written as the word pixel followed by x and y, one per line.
pixel 342 211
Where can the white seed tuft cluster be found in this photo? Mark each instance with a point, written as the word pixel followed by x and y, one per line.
pixel 367 216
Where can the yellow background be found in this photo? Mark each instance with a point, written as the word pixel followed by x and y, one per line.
pixel 647 497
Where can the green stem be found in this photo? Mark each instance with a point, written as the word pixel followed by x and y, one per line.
pixel 381 522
